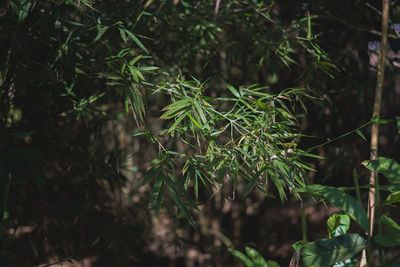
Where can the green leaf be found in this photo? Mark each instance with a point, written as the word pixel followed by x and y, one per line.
pixel 242 257
pixel 100 32
pixel 392 226
pixel 387 240
pixel 156 190
pixel 179 202
pixel 250 185
pixel 233 90
pixel 338 224
pixel 175 108
pixel 136 40
pixel 398 124
pixel 123 35
pixel 392 198
pixel 340 200
pixel 361 134
pixel 388 167
pixel 309 33
pixel 325 252
pixel 176 123
pixel 272 264
pixel 256 257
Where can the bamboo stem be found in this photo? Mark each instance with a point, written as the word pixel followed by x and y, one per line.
pixel 373 193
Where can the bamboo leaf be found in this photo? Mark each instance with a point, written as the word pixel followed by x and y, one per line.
pixel 255 256
pixel 100 32
pixel 361 134
pixel 392 198
pixel 179 202
pixel 136 40
pixel 340 200
pixel 325 252
pixel 156 190
pixel 242 257
pixel 250 185
pixel 392 226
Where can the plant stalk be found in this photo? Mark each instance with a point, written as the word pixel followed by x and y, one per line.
pixel 303 223
pixel 373 192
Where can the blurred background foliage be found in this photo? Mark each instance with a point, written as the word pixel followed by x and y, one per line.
pixel 84 84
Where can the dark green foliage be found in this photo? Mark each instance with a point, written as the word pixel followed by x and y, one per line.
pixel 325 252
pixel 222 101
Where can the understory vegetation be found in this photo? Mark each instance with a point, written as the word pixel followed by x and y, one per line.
pixel 199 133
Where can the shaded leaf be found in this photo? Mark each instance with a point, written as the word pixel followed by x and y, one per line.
pixel 361 134
pixel 386 166
pixel 387 240
pixel 340 200
pixel 100 32
pixel 325 252
pixel 392 226
pixel 136 40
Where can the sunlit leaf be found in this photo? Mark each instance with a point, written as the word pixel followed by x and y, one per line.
pixel 338 224
pixel 256 257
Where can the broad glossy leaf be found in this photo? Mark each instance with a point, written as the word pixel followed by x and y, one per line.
pixel 340 200
pixel 256 257
pixel 338 224
pixel 388 167
pixel 325 252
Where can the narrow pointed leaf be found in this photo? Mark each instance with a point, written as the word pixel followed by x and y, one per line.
pixel 156 190
pixel 100 32
pixel 241 256
pixel 136 40
pixel 391 226
pixel 256 257
pixel 361 134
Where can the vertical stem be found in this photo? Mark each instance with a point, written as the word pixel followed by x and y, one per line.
pixel 373 195
pixel 355 178
pixel 303 222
